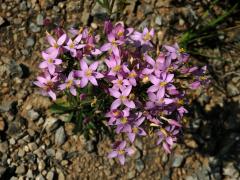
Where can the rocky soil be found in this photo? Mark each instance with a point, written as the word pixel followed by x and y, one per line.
pixel 35 144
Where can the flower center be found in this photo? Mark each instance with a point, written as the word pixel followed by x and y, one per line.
pixel 120 33
pixel 69 83
pixel 120 82
pixel 181 50
pixel 121 152
pixel 123 98
pixel 49 85
pixel 145 79
pixel 161 100
pixel 55 45
pixel 89 48
pixel 116 113
pixel 132 75
pixel 135 130
pixel 50 60
pixel 131 96
pixel 71 45
pixel 114 43
pixel 180 102
pixel 162 84
pixel 117 68
pixel 203 78
pixel 147 37
pixel 124 120
pixel 88 73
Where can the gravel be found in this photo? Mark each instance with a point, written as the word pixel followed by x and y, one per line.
pixel 34 144
pixel 20 169
pixel 4 147
pixel 30 42
pixel 60 136
pixel 34 28
pixel 40 19
pixel 139 165
pixel 177 161
pixel 2 21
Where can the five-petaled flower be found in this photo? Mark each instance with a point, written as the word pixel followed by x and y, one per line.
pixel 50 62
pixel 47 83
pixel 55 45
pixel 88 73
pixel 120 150
pixel 122 98
pixel 70 83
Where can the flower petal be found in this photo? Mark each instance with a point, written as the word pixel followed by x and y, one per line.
pixel 93 66
pixel 73 91
pixel 93 80
pixel 51 40
pixel 83 65
pixel 121 159
pixel 106 47
pixel 127 91
pixel 116 104
pixel 112 154
pixel 131 137
pixel 52 95
pixel 62 39
pixel 129 104
pixel 83 82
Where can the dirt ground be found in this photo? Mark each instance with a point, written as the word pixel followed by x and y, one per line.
pixel 36 144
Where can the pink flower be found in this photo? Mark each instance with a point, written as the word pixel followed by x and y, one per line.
pixel 114 114
pixel 70 83
pixel 158 66
pixel 120 150
pixel 48 84
pixel 167 137
pixel 114 64
pixel 136 130
pixel 73 46
pixel 56 45
pixel 50 61
pixel 159 84
pixel 90 47
pixel 112 45
pixel 144 37
pixel 88 73
pixel 158 99
pixel 131 75
pixel 122 98
pixel 120 83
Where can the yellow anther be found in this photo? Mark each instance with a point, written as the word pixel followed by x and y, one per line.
pixel 117 68
pixel 132 75
pixel 147 37
pixel 145 79
pixel 124 120
pixel 71 46
pixel 121 152
pixel 50 60
pixel 181 50
pixel 69 83
pixel 162 84
pixel 88 73
pixel 135 130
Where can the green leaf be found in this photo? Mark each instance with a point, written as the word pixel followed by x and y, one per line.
pixel 101 2
pixel 59 109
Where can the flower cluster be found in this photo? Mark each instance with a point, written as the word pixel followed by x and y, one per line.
pixel 146 91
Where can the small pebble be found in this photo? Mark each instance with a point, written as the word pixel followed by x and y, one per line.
pixel 20 169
